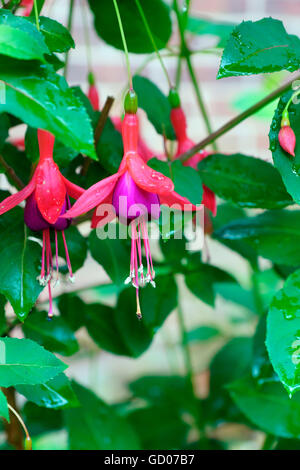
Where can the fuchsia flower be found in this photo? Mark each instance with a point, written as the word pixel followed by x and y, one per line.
pixel 27 7
pixel 184 144
pixel 142 189
pixel 47 198
pixel 143 150
pixel 287 139
pixel 286 136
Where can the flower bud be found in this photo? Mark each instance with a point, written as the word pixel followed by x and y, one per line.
pixel 287 139
pixel 131 102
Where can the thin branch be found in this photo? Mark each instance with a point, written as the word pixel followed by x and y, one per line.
pixel 11 172
pixel 238 119
pixel 102 120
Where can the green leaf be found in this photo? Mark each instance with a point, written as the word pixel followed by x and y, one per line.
pixel 226 214
pixel 244 181
pixel 268 406
pixel 96 426
pixel 2 314
pixel 202 281
pixel 159 427
pixel 275 235
pixel 20 39
pixel 283 328
pixel 118 330
pixel 259 47
pixel 42 99
pixel 57 393
pixel 203 333
pixel 155 104
pixel 288 166
pixel 261 367
pixel 22 361
pixel 20 264
pixel 15 159
pixel 41 420
pixel 54 335
pixel 230 363
pixel 4 128
pixel 56 36
pixel 72 310
pixel 77 247
pixel 110 147
pixel 200 26
pixel 113 256
pixel 3 406
pixel 187 181
pixel 157 14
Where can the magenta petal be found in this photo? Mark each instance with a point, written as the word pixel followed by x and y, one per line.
pixel 35 221
pixel 130 201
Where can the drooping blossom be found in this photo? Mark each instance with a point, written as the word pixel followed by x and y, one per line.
pixel 47 198
pixel 143 150
pixel 27 7
pixel 135 194
pixel 184 144
pixel 286 136
pixel 93 94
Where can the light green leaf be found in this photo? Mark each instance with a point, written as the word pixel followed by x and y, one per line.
pixel 283 326
pixel 3 406
pixel 23 361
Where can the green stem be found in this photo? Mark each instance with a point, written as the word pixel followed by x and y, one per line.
pixel 124 44
pixel 199 96
pixel 36 13
pixel 147 27
pixel 86 36
pixel 69 26
pixel 238 119
pixel 178 72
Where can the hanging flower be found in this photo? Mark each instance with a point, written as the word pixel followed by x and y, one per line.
pixel 184 144
pixel 286 136
pixel 27 7
pixel 47 198
pixel 93 94
pixel 135 193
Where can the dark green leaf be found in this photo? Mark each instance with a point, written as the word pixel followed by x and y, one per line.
pixel 288 166
pixel 274 235
pixel 96 426
pixel 2 314
pixel 156 12
pixel 41 420
pixel 19 38
pixel 259 47
pixel 22 361
pixel 57 393
pixel 202 26
pixel 203 333
pixel 72 310
pixel 159 427
pixel 20 264
pixel 3 406
pixel 54 335
pixel 230 363
pixel 244 181
pixel 4 128
pixel 155 104
pixel 261 367
pixel 56 36
pixel 113 255
pixel 16 159
pixel 227 213
pixel 201 282
pixel 42 99
pixel 268 406
pixel 110 148
pixel 283 328
pixel 119 331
